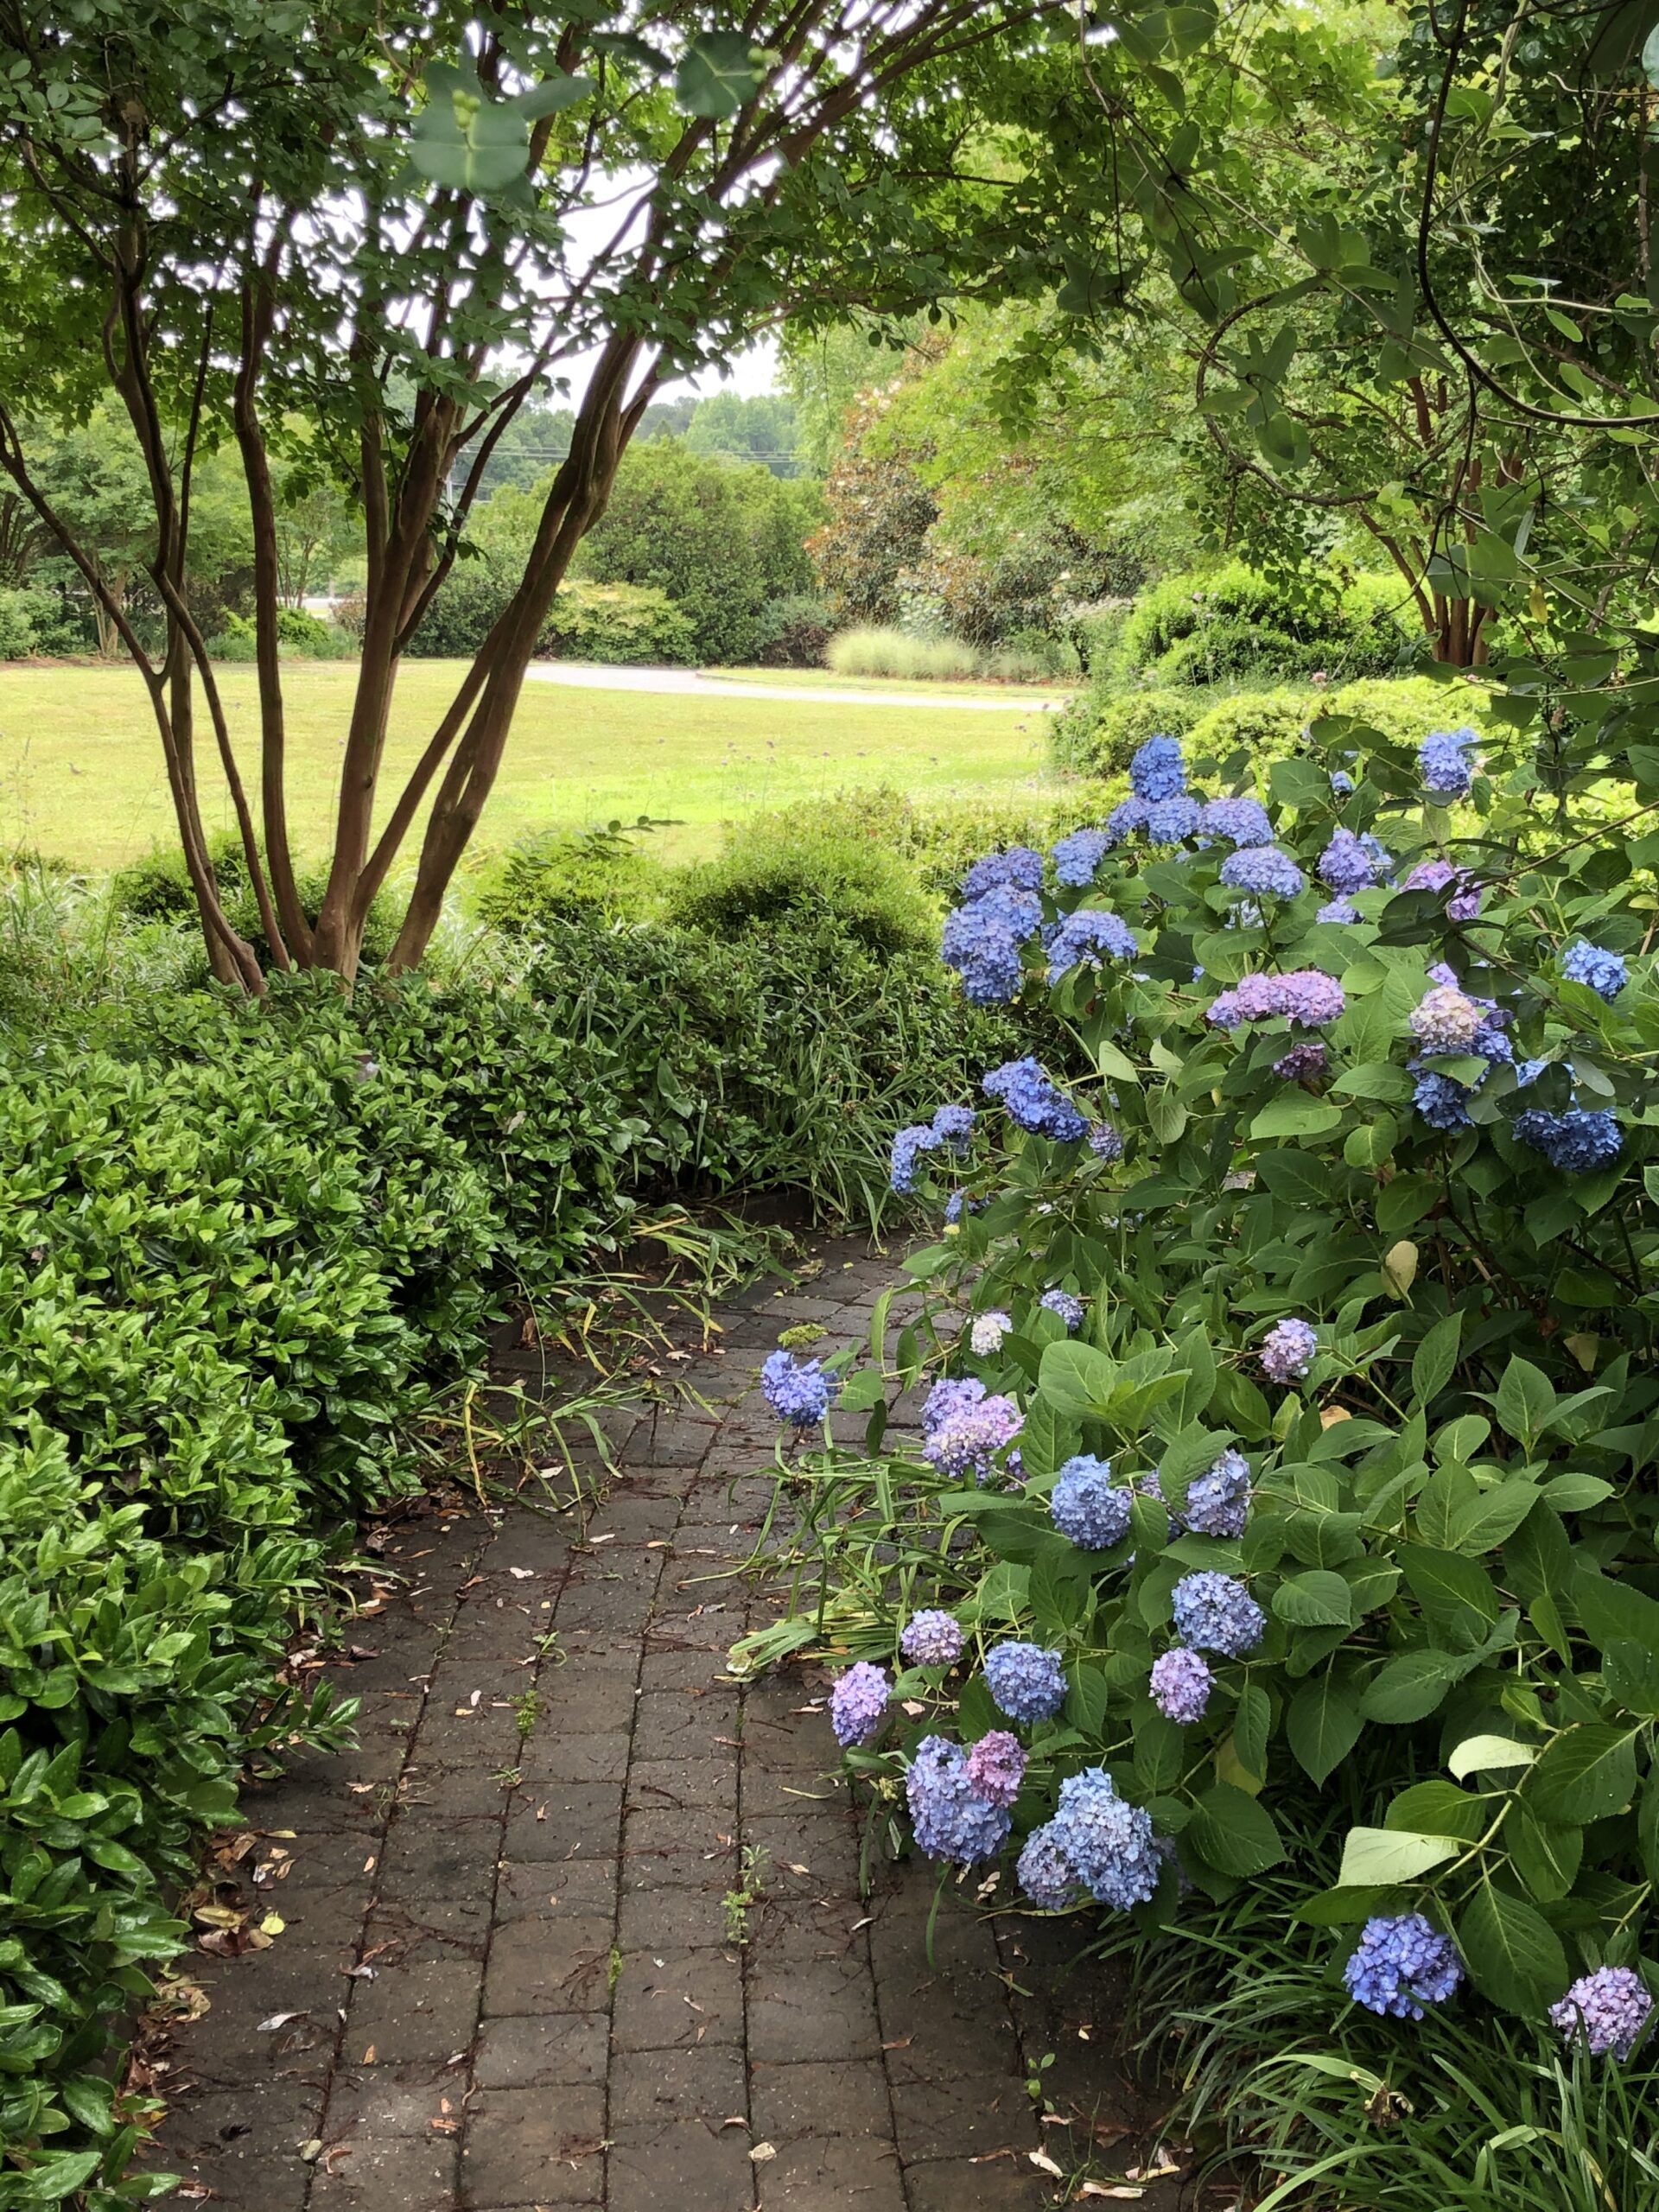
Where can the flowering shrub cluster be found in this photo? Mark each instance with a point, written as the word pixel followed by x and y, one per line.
pixel 1300 1422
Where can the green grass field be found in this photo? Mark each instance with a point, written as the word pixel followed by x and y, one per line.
pixel 82 776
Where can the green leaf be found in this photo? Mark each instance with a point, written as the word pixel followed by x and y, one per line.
pixel 1322 1726
pixel 1160 1753
pixel 1438 1808
pixel 1524 1401
pixel 1480 1520
pixel 1317 1599
pixel 1514 1956
pixel 1456 1594
pixel 1403 1201
pixel 721 71
pixel 1435 1359
pixel 1615 1612
pixel 1048 1439
pixel 1295 1117
pixel 1544 1856
pixel 1387 1856
pixel 1234 1832
pixel 1631 1673
pixel 1076 1379
pixel 1251 1725
pixel 1489 1755
pixel 1586 1773
pixel 864 1388
pixel 1410 1687
pixel 552 97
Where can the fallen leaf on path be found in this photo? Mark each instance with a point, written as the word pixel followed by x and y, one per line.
pixel 762 2152
pixel 274 2020
pixel 1045 2164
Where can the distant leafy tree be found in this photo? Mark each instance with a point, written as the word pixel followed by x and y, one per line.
pixel 877 511
pixel 763 427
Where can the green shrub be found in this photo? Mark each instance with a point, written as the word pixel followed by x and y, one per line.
pixel 1234 622
pixel 18 611
pixel 1404 708
pixel 463 610
pixel 937 844
pixel 623 625
pixel 156 888
pixel 762 879
pixel 597 874
pixel 1094 737
pixel 793 632
pixel 300 636
pixel 1265 724
pixel 896 653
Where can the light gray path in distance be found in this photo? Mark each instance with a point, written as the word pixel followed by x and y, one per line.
pixel 691 683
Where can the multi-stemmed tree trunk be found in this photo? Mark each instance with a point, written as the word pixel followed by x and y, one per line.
pixel 364 220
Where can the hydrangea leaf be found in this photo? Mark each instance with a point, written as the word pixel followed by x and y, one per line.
pixel 1233 1832
pixel 1388 1855
pixel 1588 1772
pixel 1323 1725
pixel 1514 1956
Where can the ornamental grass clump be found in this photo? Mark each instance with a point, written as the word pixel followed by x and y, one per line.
pixel 1311 1532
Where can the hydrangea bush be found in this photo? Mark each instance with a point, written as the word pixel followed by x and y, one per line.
pixel 1311 1449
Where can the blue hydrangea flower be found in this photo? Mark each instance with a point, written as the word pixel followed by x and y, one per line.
pixel 1288 1350
pixel 1400 1964
pixel 959 1203
pixel 1338 910
pixel 1578 1141
pixel 858 1703
pixel 1170 820
pixel 931 1638
pixel 1108 1842
pixel 950 1820
pixel 908 1146
pixel 1442 1101
pixel 1158 770
pixel 1181 1683
pixel 1085 1508
pixel 1341 782
pixel 954 1127
pixel 1441 762
pixel 1216 1613
pixel 1046 1875
pixel 1025 1682
pixel 984 951
pixel 1262 869
pixel 1218 1503
pixel 800 1394
pixel 1067 1305
pixel 1083 937
pixel 996 1767
pixel 1104 1141
pixel 951 1396
pixel 1125 819
pixel 1345 865
pixel 1075 857
pixel 1240 821
pixel 1018 868
pixel 1603 971
pixel 1032 1103
pixel 1609 2008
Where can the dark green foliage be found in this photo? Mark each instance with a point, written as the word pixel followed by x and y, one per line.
pixel 720 540
pixel 1234 621
pixel 157 889
pixel 793 631
pixel 763 876
pixel 596 875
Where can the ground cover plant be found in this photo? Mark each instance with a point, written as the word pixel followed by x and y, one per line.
pixel 1292 1454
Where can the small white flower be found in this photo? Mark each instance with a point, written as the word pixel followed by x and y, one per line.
pixel 987 1334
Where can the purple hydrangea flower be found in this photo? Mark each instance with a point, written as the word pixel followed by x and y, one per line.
pixel 1032 1103
pixel 1067 1306
pixel 996 1767
pixel 1445 771
pixel 1446 1020
pixel 1262 869
pixel 801 1394
pixel 1181 1683
pixel 1305 995
pixel 931 1638
pixel 1240 821
pixel 1341 782
pixel 1085 1508
pixel 968 1442
pixel 1302 1063
pixel 1218 1503
pixel 1605 972
pixel 1609 2008
pixel 1216 1613
pixel 1025 1682
pixel 1046 1875
pixel 1440 875
pixel 950 1397
pixel 1108 1842
pixel 1077 857
pixel 1400 1964
pixel 1171 820
pixel 950 1820
pixel 858 1703
pixel 1104 1141
pixel 1158 770
pixel 1578 1141
pixel 1338 910
pixel 1288 1350
pixel 1018 868
pixel 1083 936
pixel 1345 866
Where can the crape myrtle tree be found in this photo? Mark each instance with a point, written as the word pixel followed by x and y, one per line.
pixel 365 235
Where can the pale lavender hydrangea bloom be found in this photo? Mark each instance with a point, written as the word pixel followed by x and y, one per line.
pixel 858 1702
pixel 1107 1840
pixel 1218 1503
pixel 1181 1683
pixel 1216 1613
pixel 931 1638
pixel 968 1443
pixel 950 1820
pixel 1067 1306
pixel 1446 1021
pixel 1288 1350
pixel 996 1767
pixel 951 1396
pixel 1346 865
pixel 1086 1508
pixel 1262 869
pixel 1306 995
pixel 1240 821
pixel 1402 1963
pixel 1440 875
pixel 1104 1141
pixel 1609 2007
pixel 1046 1875
pixel 1446 772
pixel 986 1332
pixel 1302 1063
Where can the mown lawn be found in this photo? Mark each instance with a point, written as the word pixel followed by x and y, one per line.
pixel 82 776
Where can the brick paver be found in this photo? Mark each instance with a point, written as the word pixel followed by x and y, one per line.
pixel 508 1976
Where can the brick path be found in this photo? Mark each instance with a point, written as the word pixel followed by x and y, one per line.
pixel 507 1977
